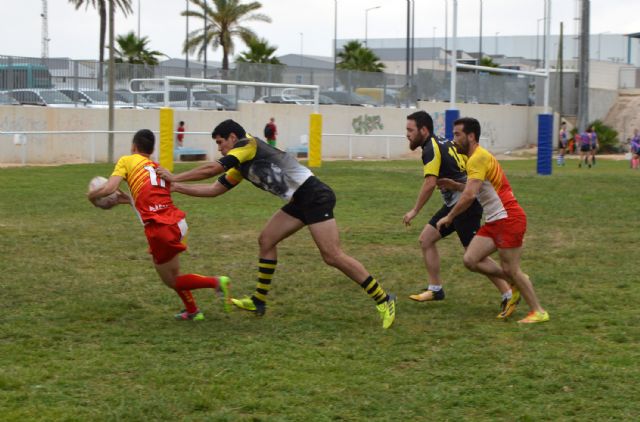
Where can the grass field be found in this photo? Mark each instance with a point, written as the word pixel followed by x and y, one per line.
pixel 86 330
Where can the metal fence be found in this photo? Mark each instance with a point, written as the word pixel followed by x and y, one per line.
pixel 337 87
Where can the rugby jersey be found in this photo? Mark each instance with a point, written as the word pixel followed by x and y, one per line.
pixel 151 194
pixel 495 196
pixel 441 159
pixel 268 168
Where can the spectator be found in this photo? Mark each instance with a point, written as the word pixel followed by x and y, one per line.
pixel 180 136
pixel 270 132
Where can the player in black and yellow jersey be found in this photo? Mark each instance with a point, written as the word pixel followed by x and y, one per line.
pixel 310 203
pixel 441 160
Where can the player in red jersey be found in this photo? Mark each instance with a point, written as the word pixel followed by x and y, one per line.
pixel 164 224
pixel 505 220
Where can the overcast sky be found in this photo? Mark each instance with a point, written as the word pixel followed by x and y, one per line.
pixel 306 25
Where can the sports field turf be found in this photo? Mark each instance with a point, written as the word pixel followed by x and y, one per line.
pixel 86 327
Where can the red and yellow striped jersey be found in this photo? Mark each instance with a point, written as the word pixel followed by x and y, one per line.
pixel 151 194
pixel 495 196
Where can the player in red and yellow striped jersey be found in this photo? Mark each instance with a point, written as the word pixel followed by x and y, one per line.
pixel 505 221
pixel 164 224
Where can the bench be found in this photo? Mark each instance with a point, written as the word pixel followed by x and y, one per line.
pixel 300 151
pixel 189 154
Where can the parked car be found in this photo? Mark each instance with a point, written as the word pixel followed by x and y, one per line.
pixel 41 97
pixel 349 98
pixel 284 99
pixel 93 98
pixel 128 97
pixel 178 99
pixel 322 99
pixel 6 99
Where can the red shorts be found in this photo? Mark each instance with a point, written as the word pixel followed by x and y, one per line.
pixel 165 240
pixel 506 233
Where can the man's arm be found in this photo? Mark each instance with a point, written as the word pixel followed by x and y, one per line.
pixel 106 189
pixel 428 186
pixel 202 172
pixel 201 190
pixel 469 193
pixel 450 184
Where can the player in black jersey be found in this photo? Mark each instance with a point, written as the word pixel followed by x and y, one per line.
pixel 440 159
pixel 310 203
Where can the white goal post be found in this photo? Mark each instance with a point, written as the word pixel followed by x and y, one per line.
pixel 167 80
pixel 163 85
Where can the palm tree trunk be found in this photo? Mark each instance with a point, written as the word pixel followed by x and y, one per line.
pixel 103 31
pixel 225 66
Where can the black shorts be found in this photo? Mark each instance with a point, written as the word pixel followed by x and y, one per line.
pixel 585 148
pixel 313 202
pixel 466 224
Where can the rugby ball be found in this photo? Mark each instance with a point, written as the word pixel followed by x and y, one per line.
pixel 105 202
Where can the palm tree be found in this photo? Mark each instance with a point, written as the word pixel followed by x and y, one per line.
pixel 260 53
pixel 355 56
pixel 132 49
pixel 101 6
pixel 223 25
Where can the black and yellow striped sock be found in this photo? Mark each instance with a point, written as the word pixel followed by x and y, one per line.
pixel 374 290
pixel 266 268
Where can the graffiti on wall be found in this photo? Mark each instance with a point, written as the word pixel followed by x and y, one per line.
pixel 439 124
pixel 364 125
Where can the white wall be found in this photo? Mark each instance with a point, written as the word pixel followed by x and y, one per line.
pixel 504 127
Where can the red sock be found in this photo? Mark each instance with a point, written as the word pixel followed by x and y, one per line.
pixel 196 281
pixel 188 300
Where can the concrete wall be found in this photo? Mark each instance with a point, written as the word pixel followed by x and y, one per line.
pixel 600 102
pixel 504 128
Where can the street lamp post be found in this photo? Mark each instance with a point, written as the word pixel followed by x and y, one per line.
pixel 433 50
pixel 497 43
pixel 335 41
pixel 446 33
pixel 538 42
pixel 480 37
pixel 186 51
pixel 139 19
pixel 301 47
pixel 205 38
pixel 366 22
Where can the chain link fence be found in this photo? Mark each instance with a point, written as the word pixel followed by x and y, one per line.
pixel 81 80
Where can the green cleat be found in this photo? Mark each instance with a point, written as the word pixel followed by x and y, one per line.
pixel 186 316
pixel 224 291
pixel 387 311
pixel 248 304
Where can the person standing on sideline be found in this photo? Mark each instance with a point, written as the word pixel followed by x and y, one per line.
pixel 164 224
pixel 441 160
pixel 593 141
pixel 180 136
pixel 310 203
pixel 635 150
pixel 270 132
pixel 505 221
pixel 563 141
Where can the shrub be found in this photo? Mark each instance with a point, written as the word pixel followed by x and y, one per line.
pixel 607 137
